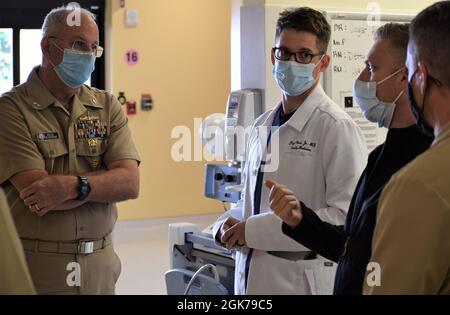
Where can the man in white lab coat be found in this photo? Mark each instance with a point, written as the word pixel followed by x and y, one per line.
pixel 307 143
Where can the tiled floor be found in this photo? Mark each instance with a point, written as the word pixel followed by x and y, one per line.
pixel 143 250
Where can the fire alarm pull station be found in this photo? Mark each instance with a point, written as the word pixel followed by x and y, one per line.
pixel 146 102
pixel 122 99
pixel 131 107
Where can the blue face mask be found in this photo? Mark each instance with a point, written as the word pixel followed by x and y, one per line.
pixel 294 78
pixel 75 68
pixel 375 110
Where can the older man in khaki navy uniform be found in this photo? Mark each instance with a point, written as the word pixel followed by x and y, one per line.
pixel 66 157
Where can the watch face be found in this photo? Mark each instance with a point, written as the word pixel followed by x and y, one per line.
pixel 84 189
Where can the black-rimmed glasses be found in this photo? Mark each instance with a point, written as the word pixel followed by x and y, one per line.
pixel 302 56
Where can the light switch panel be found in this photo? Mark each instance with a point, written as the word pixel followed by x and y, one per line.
pixel 131 18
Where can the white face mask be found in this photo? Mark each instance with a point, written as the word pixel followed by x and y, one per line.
pixel 375 110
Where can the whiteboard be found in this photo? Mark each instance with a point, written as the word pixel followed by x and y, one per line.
pixel 351 39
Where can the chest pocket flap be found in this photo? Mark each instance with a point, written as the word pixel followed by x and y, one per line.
pixel 53 148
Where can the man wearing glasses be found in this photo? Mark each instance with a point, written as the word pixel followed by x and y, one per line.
pixel 66 157
pixel 321 156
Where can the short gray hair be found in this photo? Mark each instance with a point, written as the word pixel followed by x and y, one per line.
pixel 56 17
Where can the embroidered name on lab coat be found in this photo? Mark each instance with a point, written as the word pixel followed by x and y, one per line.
pixel 302 146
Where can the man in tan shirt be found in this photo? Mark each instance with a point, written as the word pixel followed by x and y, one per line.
pixel 411 244
pixel 14 275
pixel 66 157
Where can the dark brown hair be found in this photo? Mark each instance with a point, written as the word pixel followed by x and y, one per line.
pixel 430 35
pixel 307 20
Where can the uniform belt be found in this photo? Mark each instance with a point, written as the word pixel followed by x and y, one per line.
pixel 83 247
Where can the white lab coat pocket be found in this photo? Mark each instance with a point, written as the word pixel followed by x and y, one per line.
pixel 272 275
pixel 320 275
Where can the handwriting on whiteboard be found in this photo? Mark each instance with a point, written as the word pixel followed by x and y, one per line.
pixel 347 55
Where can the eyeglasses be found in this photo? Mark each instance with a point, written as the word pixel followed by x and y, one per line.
pixel 82 46
pixel 302 56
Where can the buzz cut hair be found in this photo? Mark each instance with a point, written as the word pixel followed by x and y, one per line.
pixel 398 36
pixel 430 38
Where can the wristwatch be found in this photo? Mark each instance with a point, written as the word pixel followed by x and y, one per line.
pixel 84 188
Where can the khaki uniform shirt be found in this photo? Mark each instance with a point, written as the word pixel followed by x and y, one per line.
pixel 14 275
pixel 411 242
pixel 37 132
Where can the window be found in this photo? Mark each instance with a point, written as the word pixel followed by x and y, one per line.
pixel 6 60
pixel 30 51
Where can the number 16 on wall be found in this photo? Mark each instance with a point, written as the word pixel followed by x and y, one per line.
pixel 131 57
